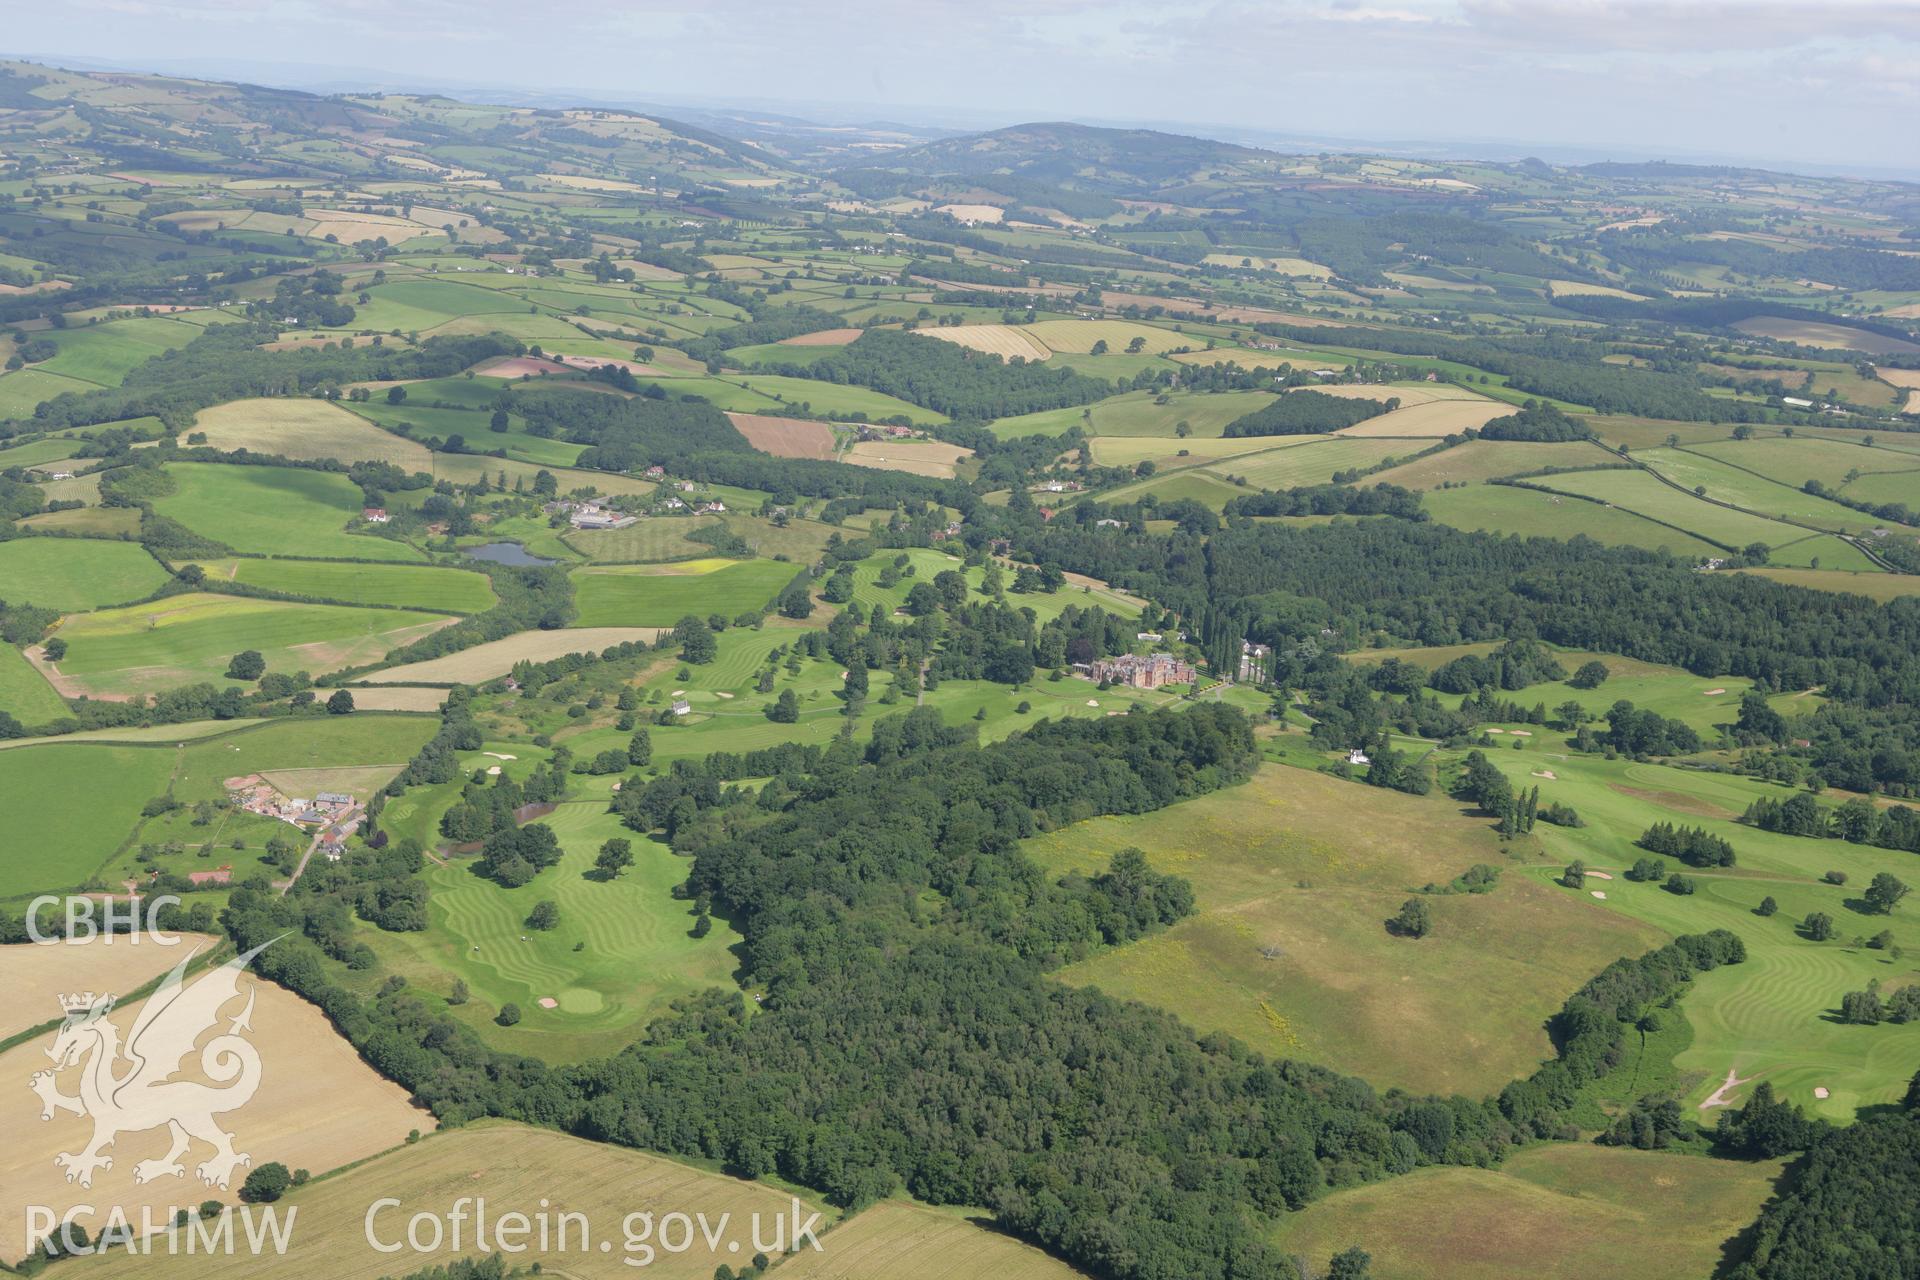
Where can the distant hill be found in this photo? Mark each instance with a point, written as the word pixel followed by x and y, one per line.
pixel 1030 160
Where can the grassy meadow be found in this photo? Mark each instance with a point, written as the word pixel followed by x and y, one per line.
pixel 1560 1212
pixel 75 573
pixel 1296 874
pixel 188 638
pixel 281 511
pixel 659 596
pixel 424 587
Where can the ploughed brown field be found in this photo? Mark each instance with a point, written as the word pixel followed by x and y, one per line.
pixel 785 437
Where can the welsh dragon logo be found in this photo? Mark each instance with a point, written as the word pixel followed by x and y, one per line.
pixel 129 1088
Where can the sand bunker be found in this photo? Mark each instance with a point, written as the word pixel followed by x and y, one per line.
pixel 1714 693
pixel 1598 894
pixel 548 1002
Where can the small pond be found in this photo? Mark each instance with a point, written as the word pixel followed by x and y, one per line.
pixel 505 553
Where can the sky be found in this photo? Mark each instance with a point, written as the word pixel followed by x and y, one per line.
pixel 1829 82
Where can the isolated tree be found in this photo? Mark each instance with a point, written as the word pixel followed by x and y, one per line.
pixel 1575 875
pixel 544 916
pixel 246 665
pixel 54 650
pixel 1591 675
pixel 266 1184
pixel 509 1014
pixel 498 422
pixel 1767 906
pixel 1818 926
pixel 396 395
pixel 615 856
pixel 1884 894
pixel 695 638
pixel 458 994
pixel 341 703
pixel 702 925
pixel 639 748
pixel 1350 1264
pixel 785 708
pixel 1414 919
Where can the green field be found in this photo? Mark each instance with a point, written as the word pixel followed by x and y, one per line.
pixel 837 399
pixel 274 511
pixel 1645 495
pixel 1725 482
pixel 1506 509
pixel 1559 1212
pixel 22 390
pixel 1823 551
pixel 55 449
pixel 1481 460
pixel 406 586
pixel 1771 1016
pixel 1875 586
pixel 1139 413
pixel 74 573
pixel 189 638
pixel 638 953
pixel 474 425
pixel 1795 460
pixel 1704 703
pixel 24 693
pixel 1313 866
pixel 67 808
pixel 1168 453
pixel 649 596
pixel 106 353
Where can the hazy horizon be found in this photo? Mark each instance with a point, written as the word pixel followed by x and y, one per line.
pixel 1833 86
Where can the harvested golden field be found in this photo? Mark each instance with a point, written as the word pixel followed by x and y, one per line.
pixel 1481 460
pixel 785 437
pixel 1079 337
pixel 1908 378
pixel 119 966
pixel 823 338
pixel 1580 289
pixel 399 698
pixel 921 457
pixel 1813 333
pixel 519 367
pixel 973 212
pixel 900 1238
pixel 496 657
pixel 1228 314
pixel 307 429
pixel 316 1106
pixel 1003 340
pixel 517 1169
pixel 1431 421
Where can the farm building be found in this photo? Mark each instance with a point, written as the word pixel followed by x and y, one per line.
pixel 375 515
pixel 681 706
